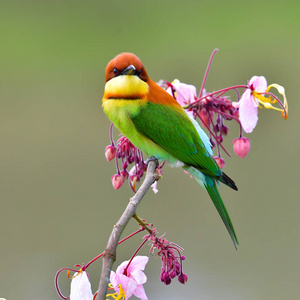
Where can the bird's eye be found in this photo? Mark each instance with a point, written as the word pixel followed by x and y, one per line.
pixel 139 72
pixel 115 71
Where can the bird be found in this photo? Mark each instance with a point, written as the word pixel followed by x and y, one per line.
pixel 155 122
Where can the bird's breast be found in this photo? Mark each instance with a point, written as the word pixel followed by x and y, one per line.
pixel 120 112
pixel 124 98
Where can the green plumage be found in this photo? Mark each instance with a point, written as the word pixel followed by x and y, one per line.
pixel 156 123
pixel 171 129
pixel 217 200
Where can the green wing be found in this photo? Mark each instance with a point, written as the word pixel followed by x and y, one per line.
pixel 172 130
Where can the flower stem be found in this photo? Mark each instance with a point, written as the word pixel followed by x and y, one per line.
pixel 111 134
pixel 143 224
pixel 120 242
pixel 213 135
pixel 207 69
pixel 134 254
pixel 222 91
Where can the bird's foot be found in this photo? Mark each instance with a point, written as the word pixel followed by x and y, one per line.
pixel 152 158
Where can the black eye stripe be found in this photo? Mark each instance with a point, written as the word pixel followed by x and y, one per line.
pixel 117 72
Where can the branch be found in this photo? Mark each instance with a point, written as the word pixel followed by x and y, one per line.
pixel 109 255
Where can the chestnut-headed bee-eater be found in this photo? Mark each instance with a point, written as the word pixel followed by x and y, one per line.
pixel 156 123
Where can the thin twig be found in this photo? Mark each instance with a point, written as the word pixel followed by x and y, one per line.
pixel 109 256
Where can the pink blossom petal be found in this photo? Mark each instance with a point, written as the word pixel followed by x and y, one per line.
pixel 139 262
pixel 259 83
pixel 114 279
pixel 140 293
pixel 186 93
pixel 81 287
pixel 248 112
pixel 139 276
pixel 132 283
pixel 128 284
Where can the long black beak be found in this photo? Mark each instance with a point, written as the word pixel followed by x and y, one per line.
pixel 130 70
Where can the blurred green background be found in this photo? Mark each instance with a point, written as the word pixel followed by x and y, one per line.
pixel 58 206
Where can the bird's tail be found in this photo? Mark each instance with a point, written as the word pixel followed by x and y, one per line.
pixel 213 192
pixel 209 184
pixel 228 181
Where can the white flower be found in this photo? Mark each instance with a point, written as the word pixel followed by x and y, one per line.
pixel 81 287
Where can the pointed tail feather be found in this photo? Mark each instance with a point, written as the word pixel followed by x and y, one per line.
pixel 209 184
pixel 213 192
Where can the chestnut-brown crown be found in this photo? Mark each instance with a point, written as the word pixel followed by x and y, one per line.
pixel 121 62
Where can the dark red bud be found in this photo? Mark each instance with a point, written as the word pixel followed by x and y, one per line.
pixel 182 278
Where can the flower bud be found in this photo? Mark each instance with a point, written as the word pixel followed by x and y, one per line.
pixel 124 165
pixel 241 146
pixel 224 129
pixel 130 159
pixel 216 128
pixel 182 278
pixel 165 278
pixel 220 161
pixel 178 269
pixel 173 274
pixel 140 173
pixel 110 152
pixel 213 144
pixel 124 174
pixel 117 181
pixel 134 179
pixel 220 138
pixel 162 278
pixel 204 118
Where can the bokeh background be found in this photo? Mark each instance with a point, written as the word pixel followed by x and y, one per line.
pixel 58 206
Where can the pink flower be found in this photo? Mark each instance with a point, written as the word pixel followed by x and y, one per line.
pixel 132 278
pixel 248 104
pixel 241 146
pixel 185 93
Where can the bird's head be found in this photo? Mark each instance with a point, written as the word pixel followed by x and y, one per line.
pixel 126 78
pixel 125 64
